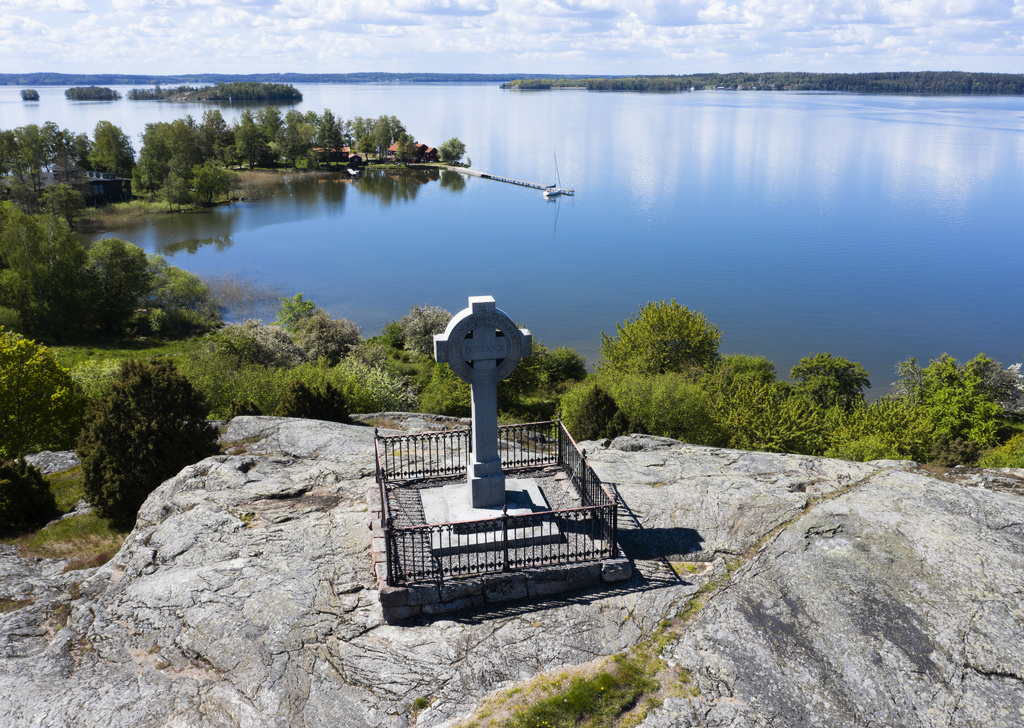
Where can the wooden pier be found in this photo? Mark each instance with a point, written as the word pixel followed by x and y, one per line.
pixel 509 180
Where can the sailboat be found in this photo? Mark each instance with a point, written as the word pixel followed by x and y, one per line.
pixel 552 191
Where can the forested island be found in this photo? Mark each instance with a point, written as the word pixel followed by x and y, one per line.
pixel 235 91
pixel 29 94
pixel 903 82
pixel 91 93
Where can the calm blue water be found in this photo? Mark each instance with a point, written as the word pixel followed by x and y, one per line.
pixel 873 227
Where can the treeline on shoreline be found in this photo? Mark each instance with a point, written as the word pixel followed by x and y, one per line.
pixel 902 82
pixel 188 162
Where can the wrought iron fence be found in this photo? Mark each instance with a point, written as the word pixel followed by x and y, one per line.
pixel 507 543
pixel 431 552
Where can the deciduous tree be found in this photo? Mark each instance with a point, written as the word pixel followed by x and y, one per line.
pixel 41 409
pixel 112 150
pixel 452 150
pixel 661 337
pixel 830 380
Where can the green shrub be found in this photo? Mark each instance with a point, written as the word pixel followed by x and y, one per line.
pixel 95 376
pixel 149 426
pixel 322 337
pixel 561 367
pixel 758 415
pixel 243 407
pixel 949 451
pixel 888 428
pixel 222 381
pixel 599 417
pixel 187 302
pixel 373 353
pixel 863 449
pixel 370 389
pixel 325 402
pixel 40 406
pixel 10 319
pixel 661 337
pixel 569 403
pixel 392 335
pixel 419 327
pixel 830 381
pixel 293 310
pixel 957 402
pixel 1008 455
pixel 668 405
pixel 445 394
pixel 25 497
pixel 252 342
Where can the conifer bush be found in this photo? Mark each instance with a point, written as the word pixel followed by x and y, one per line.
pixel 599 417
pixel 147 427
pixel 25 497
pixel 949 451
pixel 324 402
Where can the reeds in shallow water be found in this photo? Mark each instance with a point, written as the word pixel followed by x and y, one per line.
pixel 259 184
pixel 243 297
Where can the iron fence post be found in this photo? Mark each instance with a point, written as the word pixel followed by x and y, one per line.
pixel 388 548
pixel 504 537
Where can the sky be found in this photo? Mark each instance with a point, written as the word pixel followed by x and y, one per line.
pixel 611 37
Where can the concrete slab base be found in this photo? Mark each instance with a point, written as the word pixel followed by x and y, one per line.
pixel 480 529
pixel 453 502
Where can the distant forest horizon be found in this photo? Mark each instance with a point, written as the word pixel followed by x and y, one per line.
pixel 895 82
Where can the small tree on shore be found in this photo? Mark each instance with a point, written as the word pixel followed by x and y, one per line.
pixel 452 151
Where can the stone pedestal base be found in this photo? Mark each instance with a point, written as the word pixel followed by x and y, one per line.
pixel 487 484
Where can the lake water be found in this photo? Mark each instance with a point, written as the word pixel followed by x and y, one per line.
pixel 873 227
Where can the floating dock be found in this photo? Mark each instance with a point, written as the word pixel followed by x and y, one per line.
pixel 509 180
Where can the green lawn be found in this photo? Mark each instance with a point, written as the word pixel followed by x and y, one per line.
pixel 73 354
pixel 86 540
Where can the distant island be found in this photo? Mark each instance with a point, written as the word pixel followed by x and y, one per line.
pixel 29 94
pixel 91 93
pixel 902 82
pixel 236 91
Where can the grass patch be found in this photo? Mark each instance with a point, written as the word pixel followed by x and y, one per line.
pixel 72 355
pixel 9 605
pixel 597 701
pixel 66 487
pixel 87 540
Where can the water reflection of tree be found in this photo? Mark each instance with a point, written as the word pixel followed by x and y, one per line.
pixel 453 181
pixel 396 185
pixel 221 243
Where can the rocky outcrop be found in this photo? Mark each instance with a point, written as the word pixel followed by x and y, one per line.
pixel 897 604
pixel 244 598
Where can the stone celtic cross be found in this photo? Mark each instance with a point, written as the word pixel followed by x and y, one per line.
pixel 483 345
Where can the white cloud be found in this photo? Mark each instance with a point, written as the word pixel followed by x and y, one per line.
pixel 550 36
pixel 41 6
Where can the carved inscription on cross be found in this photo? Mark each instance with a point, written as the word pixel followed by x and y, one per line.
pixel 483 345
